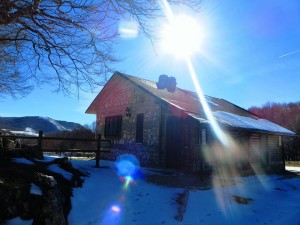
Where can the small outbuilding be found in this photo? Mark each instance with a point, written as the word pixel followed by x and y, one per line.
pixel 165 126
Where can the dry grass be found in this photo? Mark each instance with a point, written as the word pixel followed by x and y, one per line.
pixel 242 200
pixel 292 163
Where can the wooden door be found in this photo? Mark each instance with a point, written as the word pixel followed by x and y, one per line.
pixel 174 142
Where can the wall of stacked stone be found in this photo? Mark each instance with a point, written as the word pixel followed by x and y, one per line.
pixel 146 157
pixel 123 96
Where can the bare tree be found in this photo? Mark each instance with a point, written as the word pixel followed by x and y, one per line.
pixel 11 81
pixel 91 127
pixel 68 42
pixel 288 116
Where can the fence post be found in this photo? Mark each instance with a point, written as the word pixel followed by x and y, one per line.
pixel 40 140
pixel 98 150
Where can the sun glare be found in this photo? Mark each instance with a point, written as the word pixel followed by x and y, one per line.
pixel 181 36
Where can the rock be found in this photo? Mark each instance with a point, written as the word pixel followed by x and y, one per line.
pixel 16 198
pixel 12 199
pixel 182 199
pixel 46 180
pixel 7 142
pixel 52 212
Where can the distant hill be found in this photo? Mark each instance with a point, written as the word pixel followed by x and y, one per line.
pixel 32 124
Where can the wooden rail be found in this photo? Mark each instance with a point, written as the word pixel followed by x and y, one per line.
pixel 41 137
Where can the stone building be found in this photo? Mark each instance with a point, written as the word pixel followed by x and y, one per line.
pixel 165 126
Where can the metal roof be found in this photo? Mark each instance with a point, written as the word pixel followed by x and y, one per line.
pixel 226 113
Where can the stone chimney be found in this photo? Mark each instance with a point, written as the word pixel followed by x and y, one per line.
pixel 171 84
pixel 162 82
pixel 166 82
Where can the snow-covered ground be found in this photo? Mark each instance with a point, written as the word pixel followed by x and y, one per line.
pixel 28 132
pixel 110 196
pixel 293 169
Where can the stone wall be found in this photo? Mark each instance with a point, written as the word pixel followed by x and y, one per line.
pixel 145 157
pixel 48 206
pixel 121 94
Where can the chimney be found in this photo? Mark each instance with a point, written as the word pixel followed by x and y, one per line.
pixel 171 84
pixel 166 82
pixel 162 82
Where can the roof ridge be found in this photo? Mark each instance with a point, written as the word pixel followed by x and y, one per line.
pixel 189 103
pixel 182 89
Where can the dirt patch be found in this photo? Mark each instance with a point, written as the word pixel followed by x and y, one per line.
pixel 182 199
pixel 172 178
pixel 242 200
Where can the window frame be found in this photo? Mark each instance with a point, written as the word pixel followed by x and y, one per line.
pixel 113 126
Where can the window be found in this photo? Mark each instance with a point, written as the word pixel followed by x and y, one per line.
pixel 203 137
pixel 197 135
pixel 200 136
pixel 139 128
pixel 113 126
pixel 280 141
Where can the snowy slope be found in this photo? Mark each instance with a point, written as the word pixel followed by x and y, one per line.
pixel 30 125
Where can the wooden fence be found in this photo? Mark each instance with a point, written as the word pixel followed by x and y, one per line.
pixel 40 138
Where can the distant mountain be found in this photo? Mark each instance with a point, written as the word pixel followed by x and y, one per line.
pixel 32 124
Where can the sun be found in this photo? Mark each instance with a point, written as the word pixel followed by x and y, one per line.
pixel 181 36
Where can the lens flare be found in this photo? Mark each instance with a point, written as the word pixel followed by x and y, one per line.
pixel 127 165
pixel 116 208
pixel 226 156
pixel 128 168
pixel 216 128
pixel 181 36
pixel 128 180
pixel 113 215
pixel 125 168
pixel 128 29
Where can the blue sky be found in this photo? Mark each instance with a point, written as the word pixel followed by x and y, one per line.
pixel 250 55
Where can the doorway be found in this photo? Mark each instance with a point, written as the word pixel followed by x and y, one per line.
pixel 174 142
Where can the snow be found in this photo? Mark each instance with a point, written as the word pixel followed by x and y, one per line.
pixel 103 192
pixel 104 200
pixel 234 120
pixel 171 102
pixel 195 116
pixel 23 161
pixel 273 202
pixel 108 198
pixel 18 221
pixel 27 132
pixel 48 158
pixel 55 123
pixel 209 100
pixel 55 168
pixel 35 190
pixel 293 169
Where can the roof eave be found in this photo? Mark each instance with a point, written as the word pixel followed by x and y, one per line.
pixel 227 127
pixel 262 131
